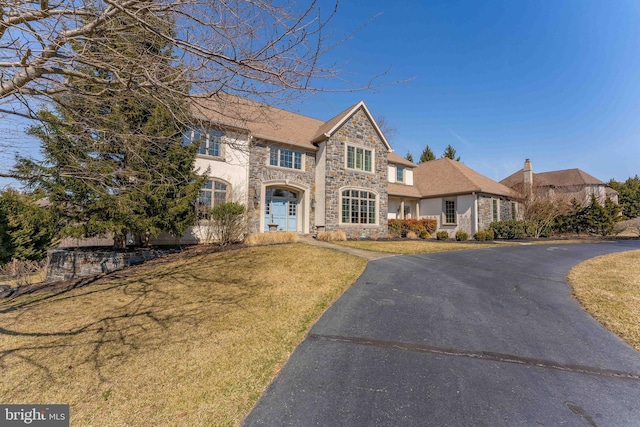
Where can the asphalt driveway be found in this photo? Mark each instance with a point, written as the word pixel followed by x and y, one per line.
pixel 487 337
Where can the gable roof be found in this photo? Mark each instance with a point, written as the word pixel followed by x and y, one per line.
pixel 395 159
pixel 562 178
pixel 445 177
pixel 330 127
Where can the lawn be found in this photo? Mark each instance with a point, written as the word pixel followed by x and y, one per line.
pixel 411 247
pixel 191 342
pixel 608 287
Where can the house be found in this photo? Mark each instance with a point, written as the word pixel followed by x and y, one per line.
pixel 296 173
pixel 458 197
pixel 568 184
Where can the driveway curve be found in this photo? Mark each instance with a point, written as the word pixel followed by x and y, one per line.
pixel 488 337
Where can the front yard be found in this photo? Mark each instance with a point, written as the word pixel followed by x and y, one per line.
pixel 192 342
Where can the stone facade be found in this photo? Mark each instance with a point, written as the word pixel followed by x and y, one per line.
pixel 485 210
pixel 359 132
pixel 261 174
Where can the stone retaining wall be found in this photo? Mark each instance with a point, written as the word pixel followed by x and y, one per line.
pixel 72 264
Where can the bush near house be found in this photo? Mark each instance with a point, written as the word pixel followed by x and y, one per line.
pixel 228 222
pixel 423 228
pixel 512 229
pixel 442 235
pixel 484 235
pixel 461 236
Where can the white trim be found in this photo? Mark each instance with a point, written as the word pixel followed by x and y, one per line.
pixel 377 207
pixel 304 205
pixel 348 115
pixel 363 147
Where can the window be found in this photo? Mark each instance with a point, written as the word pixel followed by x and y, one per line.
pixel 496 216
pixel 358 207
pixel 211 194
pixel 285 158
pixel 399 174
pixel 359 159
pixel 514 212
pixel 449 211
pixel 208 140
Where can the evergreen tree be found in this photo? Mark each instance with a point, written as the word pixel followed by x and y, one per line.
pixel 427 155
pixel 409 156
pixel 115 162
pixel 628 196
pixel 27 229
pixel 450 153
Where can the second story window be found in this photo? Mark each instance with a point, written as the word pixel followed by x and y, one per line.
pixel 208 140
pixel 285 158
pixel 359 159
pixel 399 174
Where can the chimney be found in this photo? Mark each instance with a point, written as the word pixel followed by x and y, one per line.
pixel 528 176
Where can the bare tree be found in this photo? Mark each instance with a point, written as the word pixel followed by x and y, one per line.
pixel 243 47
pixel 542 207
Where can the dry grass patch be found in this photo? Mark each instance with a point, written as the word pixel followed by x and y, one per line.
pixel 331 236
pixel 412 246
pixel 608 287
pixel 192 342
pixel 273 238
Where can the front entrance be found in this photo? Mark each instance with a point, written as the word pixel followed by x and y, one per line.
pixel 281 209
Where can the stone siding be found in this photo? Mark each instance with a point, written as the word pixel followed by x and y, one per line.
pixel 360 132
pixel 485 210
pixel 260 171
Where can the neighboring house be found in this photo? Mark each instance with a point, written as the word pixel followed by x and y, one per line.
pixel 570 184
pixel 296 173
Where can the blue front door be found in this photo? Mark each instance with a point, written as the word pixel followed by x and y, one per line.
pixel 281 208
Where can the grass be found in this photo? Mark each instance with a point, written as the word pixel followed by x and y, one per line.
pixel 192 342
pixel 411 247
pixel 608 287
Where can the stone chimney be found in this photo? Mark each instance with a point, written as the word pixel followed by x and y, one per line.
pixel 528 176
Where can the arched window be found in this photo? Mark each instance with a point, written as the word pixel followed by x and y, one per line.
pixel 358 207
pixel 211 194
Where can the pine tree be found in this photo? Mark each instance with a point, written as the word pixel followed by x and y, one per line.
pixel 427 155
pixel 115 162
pixel 409 156
pixel 27 228
pixel 628 196
pixel 450 153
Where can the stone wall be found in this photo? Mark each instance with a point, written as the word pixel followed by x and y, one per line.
pixel 485 210
pixel 260 172
pixel 360 132
pixel 72 264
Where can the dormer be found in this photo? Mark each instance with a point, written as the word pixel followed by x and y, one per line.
pixel 400 170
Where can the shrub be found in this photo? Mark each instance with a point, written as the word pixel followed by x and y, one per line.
pixel 412 235
pixel 421 227
pixel 509 229
pixel 442 235
pixel 260 239
pixel 461 236
pixel 331 236
pixel 484 235
pixel 228 222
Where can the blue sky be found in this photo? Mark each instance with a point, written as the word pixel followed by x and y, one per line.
pixel 501 81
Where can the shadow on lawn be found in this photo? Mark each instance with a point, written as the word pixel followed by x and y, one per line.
pixel 95 323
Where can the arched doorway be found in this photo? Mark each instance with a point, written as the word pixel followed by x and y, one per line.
pixel 281 208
